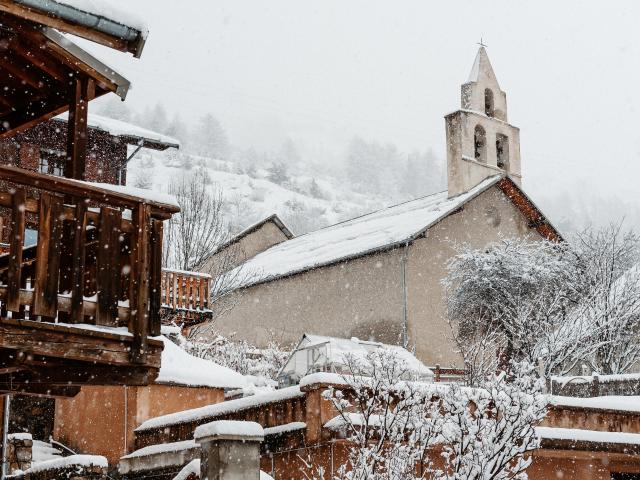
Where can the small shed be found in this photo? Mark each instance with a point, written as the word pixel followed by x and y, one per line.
pixel 318 353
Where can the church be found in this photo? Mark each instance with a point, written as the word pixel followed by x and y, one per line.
pixel 379 276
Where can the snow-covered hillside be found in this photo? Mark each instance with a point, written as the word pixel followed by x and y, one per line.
pixel 303 201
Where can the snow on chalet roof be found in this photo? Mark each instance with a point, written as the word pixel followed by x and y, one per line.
pixel 180 368
pixel 107 9
pixel 375 231
pixel 118 128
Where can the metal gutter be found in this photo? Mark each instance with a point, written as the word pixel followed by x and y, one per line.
pixel 96 22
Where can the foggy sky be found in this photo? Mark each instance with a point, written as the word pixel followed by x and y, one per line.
pixel 322 71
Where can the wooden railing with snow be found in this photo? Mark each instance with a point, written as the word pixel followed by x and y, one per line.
pixel 186 294
pixel 97 258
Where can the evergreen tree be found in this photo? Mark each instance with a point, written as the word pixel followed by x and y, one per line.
pixel 211 139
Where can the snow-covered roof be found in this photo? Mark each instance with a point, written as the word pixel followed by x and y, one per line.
pixel 181 368
pixel 386 228
pixel 191 468
pixel 212 411
pixel 336 351
pixel 128 131
pixel 142 193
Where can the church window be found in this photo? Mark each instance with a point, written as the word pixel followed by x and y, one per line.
pixel 480 144
pixel 488 102
pixel 502 151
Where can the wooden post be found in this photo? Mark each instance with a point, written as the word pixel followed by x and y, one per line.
pixel 15 250
pixel 45 301
pixel 77 262
pixel 139 285
pixel 156 277
pixel 82 91
pixel 108 266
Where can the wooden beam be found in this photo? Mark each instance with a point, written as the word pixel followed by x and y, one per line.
pixel 65 186
pixel 21 70
pixel 108 265
pixel 72 343
pixel 39 390
pixel 156 278
pixel 79 244
pixel 15 251
pixel 33 53
pixel 139 284
pixel 77 131
pixel 47 257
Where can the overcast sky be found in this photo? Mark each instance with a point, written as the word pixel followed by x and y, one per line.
pixel 322 71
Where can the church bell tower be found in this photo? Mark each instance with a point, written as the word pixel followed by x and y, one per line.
pixel 480 141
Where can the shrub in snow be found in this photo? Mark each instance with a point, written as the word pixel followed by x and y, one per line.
pixel 237 355
pixel 399 428
pixel 561 304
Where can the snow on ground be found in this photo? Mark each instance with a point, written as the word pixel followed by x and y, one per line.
pixel 44 451
pixel 252 198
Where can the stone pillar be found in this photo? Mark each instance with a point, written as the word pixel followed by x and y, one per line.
pixel 230 450
pixel 20 451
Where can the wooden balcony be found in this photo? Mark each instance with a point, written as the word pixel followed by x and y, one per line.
pixel 81 305
pixel 186 296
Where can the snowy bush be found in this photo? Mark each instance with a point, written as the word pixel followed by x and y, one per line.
pixel 559 304
pixel 398 429
pixel 237 355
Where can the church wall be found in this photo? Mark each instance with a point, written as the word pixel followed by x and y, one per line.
pixel 482 221
pixel 362 298
pixel 464 171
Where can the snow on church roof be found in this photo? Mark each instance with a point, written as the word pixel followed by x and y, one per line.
pixel 389 227
pixel 180 368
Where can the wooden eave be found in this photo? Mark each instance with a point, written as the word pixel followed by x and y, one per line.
pixel 50 19
pixel 38 67
pixel 535 217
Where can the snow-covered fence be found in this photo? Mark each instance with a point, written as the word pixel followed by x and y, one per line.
pixel 596 385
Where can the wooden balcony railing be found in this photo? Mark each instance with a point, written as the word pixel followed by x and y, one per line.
pixel 186 293
pixel 97 259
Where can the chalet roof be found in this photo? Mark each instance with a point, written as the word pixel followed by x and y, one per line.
pixel 178 367
pixel 381 230
pixel 40 60
pixel 96 20
pixel 130 133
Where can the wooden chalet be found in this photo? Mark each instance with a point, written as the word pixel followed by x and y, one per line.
pixel 82 305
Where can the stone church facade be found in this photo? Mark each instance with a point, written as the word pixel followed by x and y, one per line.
pixel 379 276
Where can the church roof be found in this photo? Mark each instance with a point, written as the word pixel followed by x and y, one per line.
pixel 481 66
pixel 381 230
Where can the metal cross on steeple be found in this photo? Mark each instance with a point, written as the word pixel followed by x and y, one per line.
pixel 482 44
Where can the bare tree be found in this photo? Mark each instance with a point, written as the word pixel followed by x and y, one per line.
pixel 196 232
